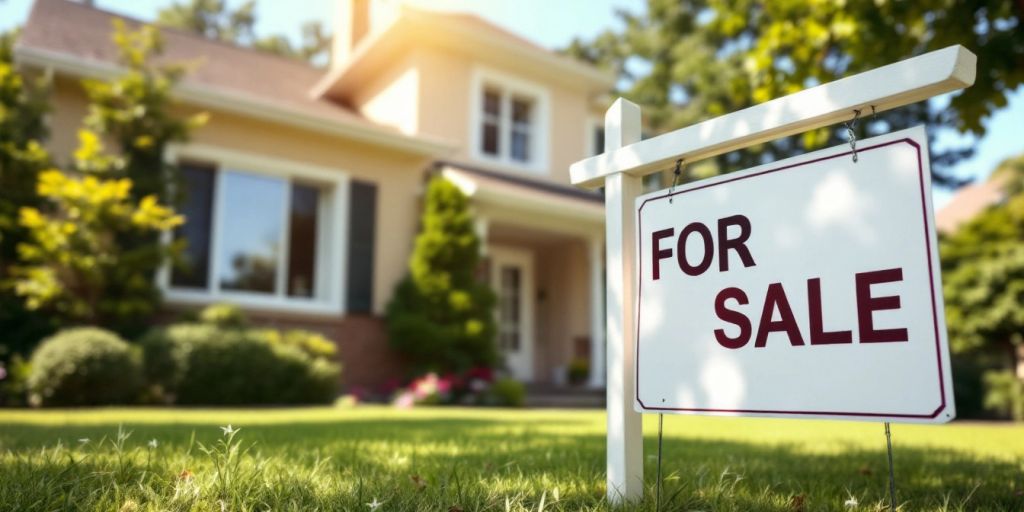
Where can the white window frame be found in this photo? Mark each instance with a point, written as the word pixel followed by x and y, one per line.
pixel 540 129
pixel 331 259
pixel 593 124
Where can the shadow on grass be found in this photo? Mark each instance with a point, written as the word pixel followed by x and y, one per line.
pixel 475 460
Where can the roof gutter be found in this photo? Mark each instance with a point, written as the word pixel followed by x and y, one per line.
pixel 242 104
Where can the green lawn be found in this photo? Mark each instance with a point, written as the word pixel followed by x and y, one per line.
pixel 480 459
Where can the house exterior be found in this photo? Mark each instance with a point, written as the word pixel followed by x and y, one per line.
pixel 304 189
pixel 968 202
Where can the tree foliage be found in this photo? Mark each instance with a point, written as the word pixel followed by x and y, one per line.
pixel 23 106
pixel 214 19
pixel 73 262
pixel 441 315
pixel 136 111
pixel 983 272
pixel 686 61
pixel 92 246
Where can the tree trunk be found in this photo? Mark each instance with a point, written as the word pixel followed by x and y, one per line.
pixel 1019 361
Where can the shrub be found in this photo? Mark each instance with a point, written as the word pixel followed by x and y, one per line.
pixel 506 393
pixel 441 316
pixel 579 370
pixel 203 364
pixel 85 366
pixel 1005 394
pixel 14 381
pixel 223 315
pixel 311 343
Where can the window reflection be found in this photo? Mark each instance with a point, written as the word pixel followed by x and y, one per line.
pixel 197 181
pixel 302 240
pixel 251 232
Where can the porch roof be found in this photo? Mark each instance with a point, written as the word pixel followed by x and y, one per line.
pixel 508 191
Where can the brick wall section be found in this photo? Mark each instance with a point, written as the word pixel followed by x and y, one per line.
pixel 367 359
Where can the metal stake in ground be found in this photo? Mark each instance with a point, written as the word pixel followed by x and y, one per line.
pixel 892 477
pixel 657 491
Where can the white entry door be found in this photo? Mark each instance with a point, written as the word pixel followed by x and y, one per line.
pixel 512 279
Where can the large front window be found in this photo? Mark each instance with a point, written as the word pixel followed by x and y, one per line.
pixel 259 237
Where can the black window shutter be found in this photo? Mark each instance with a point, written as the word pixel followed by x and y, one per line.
pixel 362 218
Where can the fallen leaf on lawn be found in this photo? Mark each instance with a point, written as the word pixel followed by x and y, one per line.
pixel 796 503
pixel 419 482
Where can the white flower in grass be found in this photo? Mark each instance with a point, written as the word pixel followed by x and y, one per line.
pixel 375 504
pixel 228 430
pixel 153 444
pixel 851 503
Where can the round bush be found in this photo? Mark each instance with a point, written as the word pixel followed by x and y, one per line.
pixel 202 364
pixel 85 366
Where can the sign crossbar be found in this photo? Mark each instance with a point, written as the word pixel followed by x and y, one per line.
pixel 909 81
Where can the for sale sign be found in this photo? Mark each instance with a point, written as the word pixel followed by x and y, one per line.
pixel 808 287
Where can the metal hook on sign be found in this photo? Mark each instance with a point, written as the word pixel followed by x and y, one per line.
pixel 851 135
pixel 675 178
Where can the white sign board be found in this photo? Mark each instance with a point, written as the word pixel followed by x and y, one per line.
pixel 808 287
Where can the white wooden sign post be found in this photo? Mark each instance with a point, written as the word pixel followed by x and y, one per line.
pixel 627 159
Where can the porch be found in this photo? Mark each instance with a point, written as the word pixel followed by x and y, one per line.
pixel 543 249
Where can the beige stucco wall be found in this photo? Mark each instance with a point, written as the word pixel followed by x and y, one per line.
pixel 399 176
pixel 391 98
pixel 443 103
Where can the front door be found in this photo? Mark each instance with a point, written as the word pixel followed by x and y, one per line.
pixel 512 279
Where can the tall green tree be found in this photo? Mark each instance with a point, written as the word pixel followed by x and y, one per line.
pixel 983 270
pixel 136 110
pixel 690 60
pixel 983 284
pixel 440 316
pixel 214 19
pixel 92 247
pixel 23 106
pixel 74 263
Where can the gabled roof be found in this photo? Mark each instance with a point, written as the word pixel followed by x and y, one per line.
pixel 76 39
pixel 461 31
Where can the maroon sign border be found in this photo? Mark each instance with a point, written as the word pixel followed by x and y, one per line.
pixel 931 284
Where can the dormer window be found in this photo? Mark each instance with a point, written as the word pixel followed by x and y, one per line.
pixel 491 129
pixel 522 127
pixel 509 122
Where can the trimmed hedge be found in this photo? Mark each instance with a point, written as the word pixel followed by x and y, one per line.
pixel 225 364
pixel 84 366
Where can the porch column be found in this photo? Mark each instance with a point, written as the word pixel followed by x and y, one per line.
pixel 597 317
pixel 481 225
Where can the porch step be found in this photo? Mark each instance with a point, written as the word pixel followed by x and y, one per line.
pixel 564 398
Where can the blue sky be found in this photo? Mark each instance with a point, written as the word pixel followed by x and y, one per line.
pixel 553 24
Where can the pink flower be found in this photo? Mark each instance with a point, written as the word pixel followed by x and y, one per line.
pixel 425 386
pixel 444 385
pixel 404 400
pixel 482 373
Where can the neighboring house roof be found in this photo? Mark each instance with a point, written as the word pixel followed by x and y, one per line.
pixel 76 39
pixel 967 203
pixel 464 32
